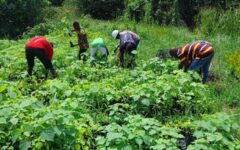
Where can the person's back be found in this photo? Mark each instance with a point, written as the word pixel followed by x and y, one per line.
pixel 41 43
pixel 195 56
pixel 128 42
pixel 42 49
pixel 128 37
pixel 98 44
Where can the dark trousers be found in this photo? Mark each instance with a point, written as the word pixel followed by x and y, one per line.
pixel 31 53
pixel 129 52
pixel 203 65
pixel 80 54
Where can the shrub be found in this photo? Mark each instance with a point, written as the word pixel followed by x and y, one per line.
pixel 101 9
pixel 16 16
pixel 215 21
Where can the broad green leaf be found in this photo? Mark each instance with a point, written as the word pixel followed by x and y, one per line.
pixel 3 120
pixel 94 89
pixel 198 134
pixel 12 94
pixel 57 131
pixel 48 116
pixel 134 52
pixel 100 140
pixel 24 145
pixel 25 103
pixel 112 135
pixel 14 121
pixel 2 88
pixel 139 141
pixel 74 104
pixel 68 93
pixel 48 134
pixel 146 102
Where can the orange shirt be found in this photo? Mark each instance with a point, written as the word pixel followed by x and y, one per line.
pixel 195 50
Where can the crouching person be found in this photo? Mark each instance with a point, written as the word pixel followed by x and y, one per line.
pixel 195 56
pixel 42 49
pixel 128 42
pixel 98 44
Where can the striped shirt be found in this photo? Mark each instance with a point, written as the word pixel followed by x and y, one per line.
pixel 195 50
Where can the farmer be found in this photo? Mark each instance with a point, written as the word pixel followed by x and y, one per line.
pixel 195 56
pixel 99 45
pixel 82 40
pixel 128 42
pixel 42 49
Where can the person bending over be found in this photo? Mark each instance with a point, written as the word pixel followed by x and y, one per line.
pixel 195 56
pixel 42 49
pixel 128 42
pixel 98 44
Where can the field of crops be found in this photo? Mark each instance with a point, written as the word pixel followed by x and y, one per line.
pixel 153 106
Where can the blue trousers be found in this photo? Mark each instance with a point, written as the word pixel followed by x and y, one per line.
pixel 202 64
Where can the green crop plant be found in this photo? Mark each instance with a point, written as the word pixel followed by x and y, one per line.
pixel 106 106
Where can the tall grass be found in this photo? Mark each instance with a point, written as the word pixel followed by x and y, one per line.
pixel 215 21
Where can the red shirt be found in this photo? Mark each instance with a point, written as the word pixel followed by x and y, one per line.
pixel 42 43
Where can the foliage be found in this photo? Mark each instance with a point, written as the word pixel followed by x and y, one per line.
pixel 138 133
pixel 56 2
pixel 16 16
pixel 233 60
pixel 106 106
pixel 213 133
pixel 101 9
pixel 214 21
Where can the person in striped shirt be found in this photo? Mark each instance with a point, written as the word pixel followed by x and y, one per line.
pixel 195 56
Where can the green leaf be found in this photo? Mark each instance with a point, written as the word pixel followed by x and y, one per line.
pixel 198 134
pixel 2 88
pixel 100 140
pixel 146 102
pixel 94 89
pixel 136 97
pixel 159 147
pixel 68 93
pixel 3 120
pixel 57 131
pixel 24 104
pixel 12 94
pixel 139 141
pixel 14 121
pixel 112 135
pixel 134 52
pixel 24 145
pixel 211 138
pixel 74 104
pixel 48 134
pixel 48 116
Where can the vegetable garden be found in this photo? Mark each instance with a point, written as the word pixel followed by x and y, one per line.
pixel 153 106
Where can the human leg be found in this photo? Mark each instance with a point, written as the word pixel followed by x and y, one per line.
pixel 80 54
pixel 206 67
pixel 30 60
pixel 42 56
pixel 93 52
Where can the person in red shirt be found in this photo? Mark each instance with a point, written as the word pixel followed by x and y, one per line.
pixel 42 49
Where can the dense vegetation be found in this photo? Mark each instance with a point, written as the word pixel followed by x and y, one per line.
pixel 152 106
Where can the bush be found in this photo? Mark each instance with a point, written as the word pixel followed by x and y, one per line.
pixel 215 21
pixel 16 16
pixel 101 9
pixel 56 2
